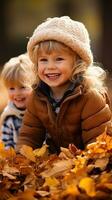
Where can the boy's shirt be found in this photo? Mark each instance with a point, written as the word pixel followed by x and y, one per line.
pixel 11 120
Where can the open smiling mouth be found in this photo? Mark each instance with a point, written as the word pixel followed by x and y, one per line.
pixel 20 100
pixel 52 76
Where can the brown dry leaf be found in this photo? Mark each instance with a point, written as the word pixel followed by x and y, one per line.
pixel 30 181
pixel 26 169
pixel 58 168
pixel 105 178
pixel 74 150
pixel 10 170
pixel 28 153
pixel 5 194
pixel 67 153
pixel 11 177
pixel 88 185
pixel 101 162
pixel 42 193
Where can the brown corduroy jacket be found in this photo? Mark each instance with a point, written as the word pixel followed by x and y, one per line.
pixel 83 116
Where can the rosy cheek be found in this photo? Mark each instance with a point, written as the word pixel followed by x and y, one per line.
pixel 40 71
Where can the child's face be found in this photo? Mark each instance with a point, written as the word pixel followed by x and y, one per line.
pixel 19 95
pixel 55 69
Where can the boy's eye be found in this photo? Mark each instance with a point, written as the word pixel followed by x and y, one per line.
pixel 12 88
pixel 43 60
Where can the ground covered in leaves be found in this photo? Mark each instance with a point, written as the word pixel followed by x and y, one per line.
pixel 71 175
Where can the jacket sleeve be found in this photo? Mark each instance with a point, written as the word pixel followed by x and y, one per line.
pixel 96 116
pixel 32 132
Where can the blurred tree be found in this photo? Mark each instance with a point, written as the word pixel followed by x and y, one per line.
pixel 65 7
pixel 106 42
pixel 3 38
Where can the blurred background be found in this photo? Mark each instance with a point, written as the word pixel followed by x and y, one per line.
pixel 19 18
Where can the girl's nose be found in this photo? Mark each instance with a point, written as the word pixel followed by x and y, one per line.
pixel 51 65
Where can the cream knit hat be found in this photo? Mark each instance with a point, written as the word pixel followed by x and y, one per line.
pixel 65 30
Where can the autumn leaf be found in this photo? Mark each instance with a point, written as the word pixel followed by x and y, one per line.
pixel 88 185
pixel 58 168
pixel 73 174
pixel 80 163
pixel 101 162
pixel 26 195
pixel 66 152
pixel 42 193
pixel 41 151
pixel 71 190
pixel 1 146
pixel 10 153
pixel 51 182
pixel 2 150
pixel 28 153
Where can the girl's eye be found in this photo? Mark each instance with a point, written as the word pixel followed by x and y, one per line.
pixel 59 59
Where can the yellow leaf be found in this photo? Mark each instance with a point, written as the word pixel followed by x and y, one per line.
pixel 80 163
pixel 41 151
pixel 51 182
pixel 27 151
pixel 88 185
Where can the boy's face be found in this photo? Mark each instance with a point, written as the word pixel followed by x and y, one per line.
pixel 19 95
pixel 56 68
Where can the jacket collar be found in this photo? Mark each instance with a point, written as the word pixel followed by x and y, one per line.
pixel 75 88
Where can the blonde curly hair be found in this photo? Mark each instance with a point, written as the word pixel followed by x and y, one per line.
pixel 93 75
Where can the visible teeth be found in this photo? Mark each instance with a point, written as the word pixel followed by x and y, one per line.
pixel 19 99
pixel 52 75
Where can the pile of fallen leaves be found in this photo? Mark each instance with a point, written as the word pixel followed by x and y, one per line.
pixel 71 175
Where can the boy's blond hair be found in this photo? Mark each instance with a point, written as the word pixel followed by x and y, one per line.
pixel 19 71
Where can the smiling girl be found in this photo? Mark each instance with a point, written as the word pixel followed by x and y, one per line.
pixel 70 103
